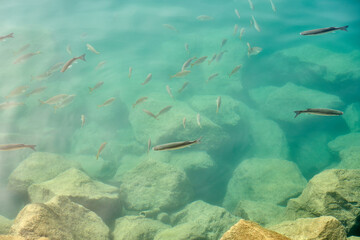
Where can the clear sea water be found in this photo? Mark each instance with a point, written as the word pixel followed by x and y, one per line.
pixel 131 34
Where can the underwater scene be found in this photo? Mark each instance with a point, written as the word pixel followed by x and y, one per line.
pixel 180 120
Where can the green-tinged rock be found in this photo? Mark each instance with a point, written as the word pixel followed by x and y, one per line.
pixel 10 237
pixel 127 163
pixel 330 193
pixel 38 167
pixel 321 228
pixel 280 103
pixel 186 231
pixel 137 228
pixel 59 219
pixel 153 184
pixel 93 167
pixel 258 179
pixel 263 213
pixel 101 198
pixel 352 116
pixel 350 158
pixel 353 238
pixel 5 225
pixel 345 141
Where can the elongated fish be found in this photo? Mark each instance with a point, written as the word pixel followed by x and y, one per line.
pixel 99 84
pixel 242 31
pixel 319 111
pixel 92 49
pixel 187 48
pixel 102 146
pixel 175 145
pixel 181 74
pixel 218 103
pixel 150 114
pixel 183 87
pixel 236 28
pixel 11 35
pixel 187 64
pixel 149 145
pixel 55 99
pixel 237 13
pixel 219 56
pixel 25 57
pixel 212 59
pixel 253 50
pixel 223 42
pixel 140 100
pixel 199 61
pixel 65 102
pixel 11 147
pixel 235 70
pixel 168 89
pixel 100 65
pixel 55 68
pixel 17 92
pixel 8 105
pixel 71 61
pixel 82 118
pixel 148 78
pixel 107 102
pixel 171 27
pixel 36 91
pixel 130 72
pixel 273 6
pixel 184 122
pixel 164 110
pixel 212 76
pixel 22 49
pixel 323 30
pixel 198 120
pixel 256 25
pixel 204 18
pixel 251 5
pixel 68 50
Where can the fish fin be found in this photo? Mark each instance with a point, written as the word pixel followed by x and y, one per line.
pixel 344 28
pixel 82 57
pixel 32 147
pixel 297 113
pixel 11 35
pixel 198 140
pixel 90 89
pixel 41 102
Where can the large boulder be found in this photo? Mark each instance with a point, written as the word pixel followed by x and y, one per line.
pixel 345 141
pixel 198 220
pixel 153 184
pixel 12 237
pixel 101 198
pixel 258 179
pixel 38 167
pixel 137 228
pixel 334 193
pixel 350 158
pixel 280 103
pixel 251 230
pixel 59 219
pixel 352 116
pixel 5 225
pixel 322 228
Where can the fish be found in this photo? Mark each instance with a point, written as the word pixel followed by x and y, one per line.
pixel 65 102
pixel 219 56
pixel 242 31
pixel 183 87
pixel 187 63
pixel 17 92
pixel 107 102
pixel 22 49
pixel 273 6
pixel 212 76
pixel 199 61
pixel 41 77
pixel 253 50
pixel 82 118
pixel 204 18
pixel 102 146
pixel 100 65
pixel 25 57
pixel 236 28
pixel 319 111
pixel 11 147
pixel 55 99
pixel 71 61
pixel 256 25
pixel 237 13
pixel 140 100
pixel 130 72
pixel 184 122
pixel 149 145
pixel 148 78
pixel 99 84
pixel 91 48
pixel 181 74
pixel 175 145
pixel 68 50
pixel 10 35
pixel 223 42
pixel 187 48
pixel 36 91
pixel 55 68
pixel 169 91
pixel 8 105
pixel 235 70
pixel 198 120
pixel 164 110
pixel 171 27
pixel 150 114
pixel 212 59
pixel 323 30
pixel 218 103
pixel 251 5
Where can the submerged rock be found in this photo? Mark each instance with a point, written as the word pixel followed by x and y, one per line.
pixel 258 179
pixel 352 116
pixel 251 230
pixel 330 193
pixel 11 237
pixel 344 141
pixel 322 228
pixel 137 228
pixel 350 158
pixel 153 184
pixel 38 167
pixel 59 219
pixel 5 225
pixel 101 198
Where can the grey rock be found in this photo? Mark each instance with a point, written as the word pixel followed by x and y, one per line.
pixel 344 141
pixel 5 225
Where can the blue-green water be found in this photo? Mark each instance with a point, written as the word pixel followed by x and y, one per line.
pixel 131 34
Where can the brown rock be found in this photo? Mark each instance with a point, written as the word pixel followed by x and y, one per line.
pixel 246 230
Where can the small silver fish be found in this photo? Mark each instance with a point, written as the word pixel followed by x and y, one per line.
pixel 198 120
pixel 22 49
pixel 273 6
pixel 256 25
pixel 91 48
pixel 319 111
pixel 8 105
pixel 36 91
pixel 212 59
pixel 242 31
pixel 149 145
pixel 236 28
pixel 82 118
pixel 102 146
pixel 253 50
pixel 176 145
pixel 107 102
pixel 71 61
pixel 17 92
pixel 235 70
pixel 99 84
pixel 148 78
pixel 184 122
pixel 219 56
pixel 251 5
pixel 204 18
pixel 181 74
pixel 11 35
pixel 140 100
pixel 323 30
pixel 187 63
pixel 199 61
pixel 65 102
pixel 25 57
pixel 212 76
pixel 169 91
pixel 55 99
pixel 223 42
pixel 187 48
pixel 11 147
pixel 68 49
pixel 130 72
pixel 237 13
pixel 150 114
pixel 171 27
pixel 218 103
pixel 164 110
pixel 100 65
pixel 183 87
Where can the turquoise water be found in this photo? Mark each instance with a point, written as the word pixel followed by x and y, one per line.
pixel 131 34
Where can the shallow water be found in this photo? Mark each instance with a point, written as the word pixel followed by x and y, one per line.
pixel 131 34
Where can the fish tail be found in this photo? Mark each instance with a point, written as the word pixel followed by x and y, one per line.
pixel 32 147
pixel 90 90
pixel 192 64
pixel 41 102
pixel 97 157
pixel 82 57
pixel 99 106
pixel 344 28
pixel 297 113
pixel 11 35
pixel 198 140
